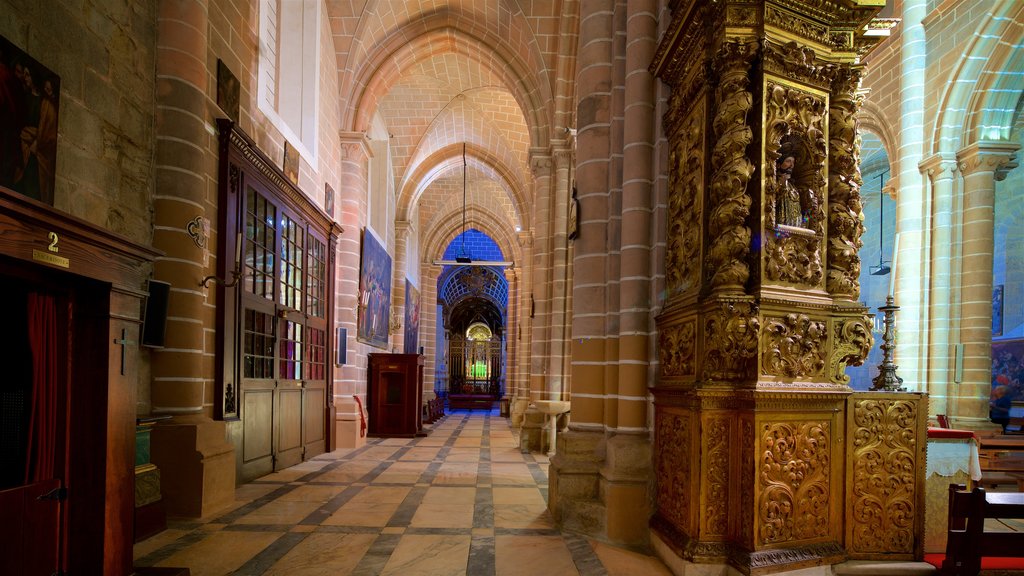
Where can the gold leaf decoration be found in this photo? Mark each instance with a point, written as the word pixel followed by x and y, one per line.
pixel 845 209
pixel 677 347
pixel 686 186
pixel 717 433
pixel 885 465
pixel 730 341
pixel 672 437
pixel 729 203
pixel 852 343
pixel 793 346
pixel 793 501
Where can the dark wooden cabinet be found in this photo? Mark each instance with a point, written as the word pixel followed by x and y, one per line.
pixel 394 394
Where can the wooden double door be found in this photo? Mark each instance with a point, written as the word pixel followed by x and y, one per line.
pixel 276 313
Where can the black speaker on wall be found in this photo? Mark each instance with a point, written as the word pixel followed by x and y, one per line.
pixel 342 346
pixel 154 323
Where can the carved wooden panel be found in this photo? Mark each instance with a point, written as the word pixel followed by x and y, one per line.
pixel 885 474
pixel 716 443
pixel 731 333
pixel 677 347
pixel 673 445
pixel 685 202
pixel 793 346
pixel 845 209
pixel 794 484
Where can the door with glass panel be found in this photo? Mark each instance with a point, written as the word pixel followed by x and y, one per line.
pixel 283 311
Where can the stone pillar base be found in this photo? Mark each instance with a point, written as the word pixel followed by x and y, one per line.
pixel 519 406
pixel 574 483
pixel 626 483
pixel 531 436
pixel 197 466
pixel 975 424
pixel 348 427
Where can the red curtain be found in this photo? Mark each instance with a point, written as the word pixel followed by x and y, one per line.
pixel 42 431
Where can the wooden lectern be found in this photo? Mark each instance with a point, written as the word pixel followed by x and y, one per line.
pixel 394 395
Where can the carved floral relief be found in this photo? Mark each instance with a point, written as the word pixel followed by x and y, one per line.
pixel 851 343
pixel 845 209
pixel 884 460
pixel 717 432
pixel 730 341
pixel 677 347
pixel 672 435
pixel 794 484
pixel 686 186
pixel 794 346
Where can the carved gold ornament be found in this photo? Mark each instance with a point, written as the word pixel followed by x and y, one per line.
pixel 845 209
pixel 793 501
pixel 852 342
pixel 885 463
pixel 730 341
pixel 686 186
pixel 717 432
pixel 673 467
pixel 728 234
pixel 677 345
pixel 794 346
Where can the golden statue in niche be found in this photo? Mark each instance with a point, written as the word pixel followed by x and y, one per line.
pixel 788 207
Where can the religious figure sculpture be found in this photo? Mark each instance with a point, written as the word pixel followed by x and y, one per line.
pixel 788 208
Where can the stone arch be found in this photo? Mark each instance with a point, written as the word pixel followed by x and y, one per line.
pixel 962 107
pixel 449 158
pixel 872 119
pixel 437 34
pixel 437 238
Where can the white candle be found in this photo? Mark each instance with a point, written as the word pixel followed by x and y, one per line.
pixel 238 251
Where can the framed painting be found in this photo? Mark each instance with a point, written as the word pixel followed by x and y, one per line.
pixel 291 162
pixel 29 101
pixel 329 200
pixel 374 292
pixel 1007 377
pixel 412 318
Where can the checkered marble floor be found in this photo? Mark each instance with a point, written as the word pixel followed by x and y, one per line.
pixel 463 500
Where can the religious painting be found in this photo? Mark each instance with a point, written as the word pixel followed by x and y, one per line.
pixel 29 100
pixel 412 318
pixel 1007 378
pixel 997 310
pixel 329 200
pixel 374 292
pixel 228 91
pixel 291 162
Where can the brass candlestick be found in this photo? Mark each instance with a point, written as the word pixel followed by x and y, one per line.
pixel 887 380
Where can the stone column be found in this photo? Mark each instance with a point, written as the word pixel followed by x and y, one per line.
pixel 524 333
pixel 433 350
pixel 558 329
pixel 350 379
pixel 941 171
pixel 912 254
pixel 574 490
pixel 197 462
pixel 981 164
pixel 398 287
pixel 540 294
pixel 626 474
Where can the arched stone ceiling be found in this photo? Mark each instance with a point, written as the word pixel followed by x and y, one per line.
pixel 441 74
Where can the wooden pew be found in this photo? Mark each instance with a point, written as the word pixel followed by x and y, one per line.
pixel 968 541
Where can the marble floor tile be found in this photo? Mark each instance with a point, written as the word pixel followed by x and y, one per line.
pixel 221 553
pixel 279 512
pixel 526 496
pixel 375 514
pixel 450 498
pixel 154 543
pixel 311 493
pixel 522 517
pixel 429 555
pixel 621 562
pixel 323 555
pixel 532 555
pixel 384 494
pixel 443 516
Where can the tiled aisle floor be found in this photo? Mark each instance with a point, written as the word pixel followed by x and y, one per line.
pixel 463 500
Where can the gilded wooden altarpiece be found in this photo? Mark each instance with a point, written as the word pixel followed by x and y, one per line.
pixel 764 457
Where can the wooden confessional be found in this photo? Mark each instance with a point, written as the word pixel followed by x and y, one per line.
pixel 73 297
